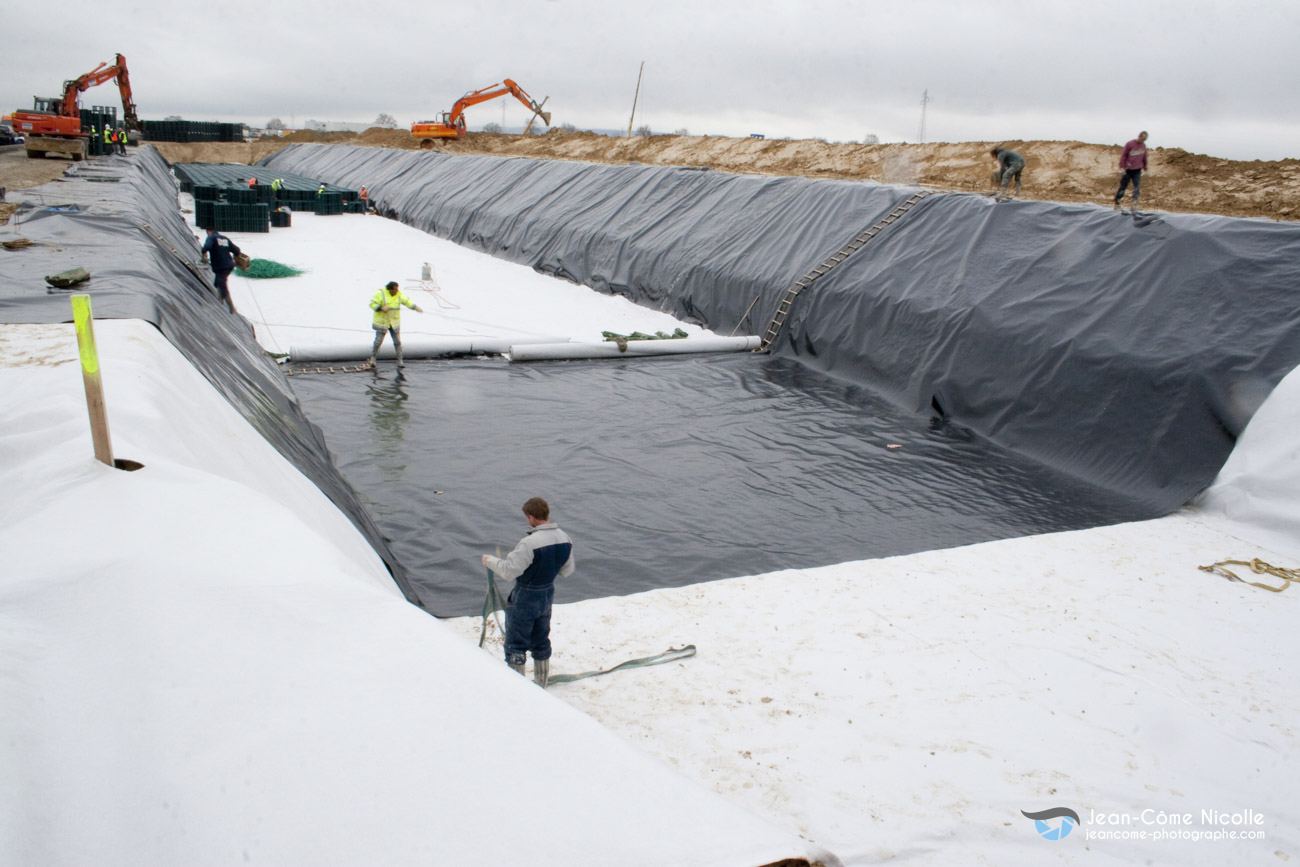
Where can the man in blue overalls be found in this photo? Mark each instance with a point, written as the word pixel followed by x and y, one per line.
pixel 542 555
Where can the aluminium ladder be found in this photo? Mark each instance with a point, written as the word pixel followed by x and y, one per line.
pixel 783 309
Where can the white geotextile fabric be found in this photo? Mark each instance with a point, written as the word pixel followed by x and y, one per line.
pixel 1257 493
pixel 201 662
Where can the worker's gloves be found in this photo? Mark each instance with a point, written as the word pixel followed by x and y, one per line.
pixel 418 309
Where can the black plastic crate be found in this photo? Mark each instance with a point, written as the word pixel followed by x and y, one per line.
pixel 329 204
pixel 204 215
pixel 229 217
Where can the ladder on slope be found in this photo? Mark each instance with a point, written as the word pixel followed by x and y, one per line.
pixel 783 309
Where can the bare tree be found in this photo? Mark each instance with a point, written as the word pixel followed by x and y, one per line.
pixel 644 129
pixel 871 138
pixel 275 123
pixel 386 120
pixel 568 127
pixel 493 127
pixel 682 131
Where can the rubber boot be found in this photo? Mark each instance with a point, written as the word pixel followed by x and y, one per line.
pixel 397 345
pixel 517 668
pixel 541 671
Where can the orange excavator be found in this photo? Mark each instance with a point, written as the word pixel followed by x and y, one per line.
pixel 54 125
pixel 452 123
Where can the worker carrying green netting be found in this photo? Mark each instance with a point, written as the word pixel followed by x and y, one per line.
pixel 387 304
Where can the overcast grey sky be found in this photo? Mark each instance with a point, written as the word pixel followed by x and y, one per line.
pixel 1210 77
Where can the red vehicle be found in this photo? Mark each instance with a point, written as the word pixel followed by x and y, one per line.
pixel 54 124
pixel 452 124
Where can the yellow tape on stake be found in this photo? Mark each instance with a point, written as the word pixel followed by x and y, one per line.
pixel 85 324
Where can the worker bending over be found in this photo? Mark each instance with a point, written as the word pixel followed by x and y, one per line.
pixel 1010 164
pixel 542 555
pixel 387 304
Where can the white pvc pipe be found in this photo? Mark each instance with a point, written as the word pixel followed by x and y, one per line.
pixel 413 346
pixel 634 348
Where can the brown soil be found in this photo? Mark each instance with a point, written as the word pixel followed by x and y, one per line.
pixel 1056 171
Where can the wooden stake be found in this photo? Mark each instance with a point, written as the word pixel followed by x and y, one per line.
pixel 635 97
pixel 85 323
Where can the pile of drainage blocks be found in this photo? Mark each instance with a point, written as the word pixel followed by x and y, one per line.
pixel 230 197
pixel 191 131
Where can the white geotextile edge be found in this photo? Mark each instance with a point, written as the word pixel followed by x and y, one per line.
pixel 205 664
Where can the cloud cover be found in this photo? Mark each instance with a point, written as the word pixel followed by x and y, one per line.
pixel 1210 77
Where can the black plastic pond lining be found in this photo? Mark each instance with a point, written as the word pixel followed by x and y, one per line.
pixel 1128 352
pixel 132 238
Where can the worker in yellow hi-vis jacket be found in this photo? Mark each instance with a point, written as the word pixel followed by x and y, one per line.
pixel 387 304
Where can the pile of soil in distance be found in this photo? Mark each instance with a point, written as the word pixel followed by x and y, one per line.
pixel 1056 171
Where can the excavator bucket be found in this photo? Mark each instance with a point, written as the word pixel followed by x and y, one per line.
pixel 545 116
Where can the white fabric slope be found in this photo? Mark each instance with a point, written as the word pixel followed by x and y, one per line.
pixel 910 708
pixel 1257 493
pixel 472 295
pixel 203 663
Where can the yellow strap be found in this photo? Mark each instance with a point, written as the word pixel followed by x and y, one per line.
pixel 85 334
pixel 1259 567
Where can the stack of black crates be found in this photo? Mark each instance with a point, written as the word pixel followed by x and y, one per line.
pixel 191 131
pixel 231 209
pixel 239 198
pixel 329 203
pixel 93 121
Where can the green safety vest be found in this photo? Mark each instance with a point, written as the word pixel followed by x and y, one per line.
pixel 277 184
pixel 108 136
pixel 392 317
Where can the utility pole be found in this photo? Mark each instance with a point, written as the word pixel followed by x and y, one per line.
pixel 634 99
pixel 925 99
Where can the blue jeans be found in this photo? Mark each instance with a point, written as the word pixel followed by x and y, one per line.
pixel 528 623
pixel 219 279
pixel 1134 175
pixel 1012 170
pixel 379 340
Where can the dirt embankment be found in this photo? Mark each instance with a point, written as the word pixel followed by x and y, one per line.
pixel 1056 171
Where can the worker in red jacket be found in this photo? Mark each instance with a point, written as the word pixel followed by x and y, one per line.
pixel 1132 162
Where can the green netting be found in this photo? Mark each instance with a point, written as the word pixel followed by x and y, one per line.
pixel 265 269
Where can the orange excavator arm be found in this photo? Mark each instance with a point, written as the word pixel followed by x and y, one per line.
pixel 97 76
pixel 453 122
pixel 492 91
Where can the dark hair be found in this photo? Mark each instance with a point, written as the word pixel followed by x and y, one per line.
pixel 391 284
pixel 537 508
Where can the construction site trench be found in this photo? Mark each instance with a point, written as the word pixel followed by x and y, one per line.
pixel 976 370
